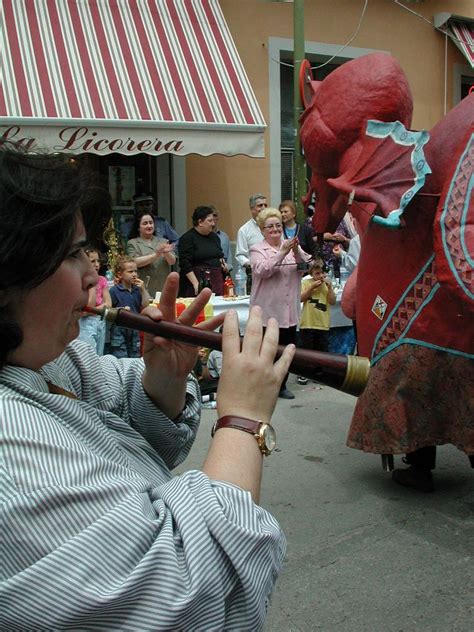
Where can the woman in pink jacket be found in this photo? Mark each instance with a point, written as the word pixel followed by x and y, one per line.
pixel 276 278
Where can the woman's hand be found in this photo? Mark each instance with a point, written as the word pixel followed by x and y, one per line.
pixel 289 244
pixel 176 359
pixel 224 267
pixel 250 380
pixel 168 362
pixel 248 387
pixel 337 237
pixel 341 239
pixel 164 249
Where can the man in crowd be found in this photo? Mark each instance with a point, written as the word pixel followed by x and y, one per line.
pixel 145 203
pixel 250 234
pixel 223 237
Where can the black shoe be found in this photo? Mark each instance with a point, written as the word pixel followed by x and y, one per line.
pixel 418 478
pixel 286 394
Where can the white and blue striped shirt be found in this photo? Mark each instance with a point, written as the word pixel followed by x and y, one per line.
pixel 96 534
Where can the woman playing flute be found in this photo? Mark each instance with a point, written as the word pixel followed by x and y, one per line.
pixel 96 531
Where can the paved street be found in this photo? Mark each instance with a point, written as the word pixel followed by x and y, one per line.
pixel 363 554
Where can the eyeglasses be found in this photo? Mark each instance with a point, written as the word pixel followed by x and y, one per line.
pixel 274 226
pixel 261 205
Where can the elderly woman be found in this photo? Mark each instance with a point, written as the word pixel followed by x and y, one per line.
pixel 96 531
pixel 201 259
pixel 154 256
pixel 292 228
pixel 276 278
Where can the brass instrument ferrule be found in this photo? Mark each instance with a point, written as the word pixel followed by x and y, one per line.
pixel 357 374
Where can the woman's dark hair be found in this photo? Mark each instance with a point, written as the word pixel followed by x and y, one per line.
pixel 135 232
pixel 40 197
pixel 201 212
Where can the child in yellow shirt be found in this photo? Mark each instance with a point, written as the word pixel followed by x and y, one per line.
pixel 317 296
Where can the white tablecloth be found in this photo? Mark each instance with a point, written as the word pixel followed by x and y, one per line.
pixel 241 306
pixel 338 319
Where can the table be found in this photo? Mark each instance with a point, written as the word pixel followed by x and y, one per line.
pixel 338 318
pixel 241 306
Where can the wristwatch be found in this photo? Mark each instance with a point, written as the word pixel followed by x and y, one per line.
pixel 263 433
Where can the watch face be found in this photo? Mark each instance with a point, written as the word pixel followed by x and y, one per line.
pixel 269 438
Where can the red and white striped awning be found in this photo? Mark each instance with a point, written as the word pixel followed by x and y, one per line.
pixel 461 31
pixel 125 76
pixel 463 35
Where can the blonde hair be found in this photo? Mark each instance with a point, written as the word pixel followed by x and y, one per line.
pixel 121 263
pixel 265 214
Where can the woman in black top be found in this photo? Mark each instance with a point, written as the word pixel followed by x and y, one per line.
pixel 200 255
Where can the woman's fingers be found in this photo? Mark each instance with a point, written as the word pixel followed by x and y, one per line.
pixel 191 313
pixel 270 347
pixel 283 363
pixel 269 343
pixel 168 296
pixel 230 336
pixel 253 366
pixel 211 324
pixel 253 332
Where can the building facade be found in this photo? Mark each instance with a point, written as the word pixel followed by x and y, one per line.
pixel 437 71
pixel 193 99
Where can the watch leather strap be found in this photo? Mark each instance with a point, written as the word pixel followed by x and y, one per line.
pixel 239 423
pixel 263 432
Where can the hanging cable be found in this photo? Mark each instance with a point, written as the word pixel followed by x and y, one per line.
pixel 291 65
pixel 348 42
pixel 354 35
pixel 437 28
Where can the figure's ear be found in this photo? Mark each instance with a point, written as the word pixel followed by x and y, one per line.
pixel 387 168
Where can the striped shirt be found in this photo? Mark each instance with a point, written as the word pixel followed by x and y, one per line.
pixel 96 532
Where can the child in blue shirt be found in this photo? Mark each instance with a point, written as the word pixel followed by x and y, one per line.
pixel 129 292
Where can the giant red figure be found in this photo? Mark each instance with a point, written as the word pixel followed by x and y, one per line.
pixel 412 293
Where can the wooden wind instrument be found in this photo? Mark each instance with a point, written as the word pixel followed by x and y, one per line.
pixel 346 373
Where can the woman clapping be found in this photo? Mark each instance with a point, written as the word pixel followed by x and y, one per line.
pixel 276 278
pixel 154 256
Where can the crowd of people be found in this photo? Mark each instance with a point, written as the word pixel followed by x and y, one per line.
pixel 97 533
pixel 280 256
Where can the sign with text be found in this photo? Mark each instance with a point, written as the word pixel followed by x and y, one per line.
pixel 133 140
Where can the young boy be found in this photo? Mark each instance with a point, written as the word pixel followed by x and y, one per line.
pixel 92 329
pixel 129 293
pixel 317 295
